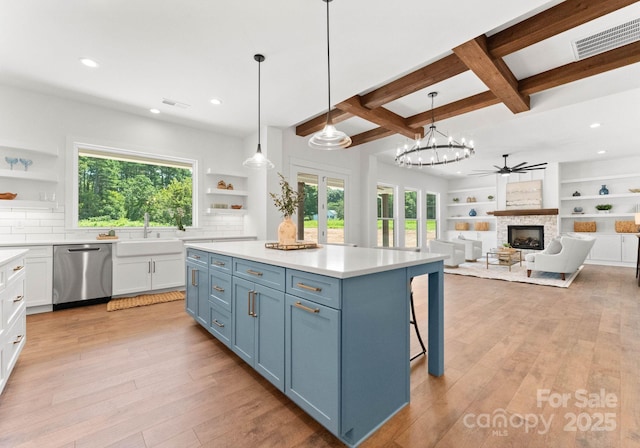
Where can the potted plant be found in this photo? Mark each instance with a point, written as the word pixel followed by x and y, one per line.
pixel 287 202
pixel 506 247
pixel 456 199
pixel 603 208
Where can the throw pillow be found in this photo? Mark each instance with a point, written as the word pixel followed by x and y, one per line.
pixel 555 246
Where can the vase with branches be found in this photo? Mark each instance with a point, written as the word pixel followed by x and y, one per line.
pixel 287 202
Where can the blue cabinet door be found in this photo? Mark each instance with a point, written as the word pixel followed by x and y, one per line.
pixel 243 328
pixel 202 286
pixel 312 359
pixel 191 300
pixel 269 335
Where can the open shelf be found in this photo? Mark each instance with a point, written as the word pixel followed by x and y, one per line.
pixel 222 192
pixel 17 203
pixel 28 175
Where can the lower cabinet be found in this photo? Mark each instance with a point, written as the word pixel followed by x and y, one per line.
pixel 614 248
pixel 197 292
pixel 312 363
pixel 258 328
pixel 39 285
pixel 139 274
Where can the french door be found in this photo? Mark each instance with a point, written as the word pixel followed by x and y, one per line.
pixel 321 217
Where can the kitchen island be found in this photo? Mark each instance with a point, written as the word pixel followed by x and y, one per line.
pixel 328 326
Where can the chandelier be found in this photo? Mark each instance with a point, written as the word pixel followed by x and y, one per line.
pixel 437 149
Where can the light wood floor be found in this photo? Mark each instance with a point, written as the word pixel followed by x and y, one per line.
pixel 151 377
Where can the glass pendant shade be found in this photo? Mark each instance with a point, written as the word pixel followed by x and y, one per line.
pixel 329 138
pixel 258 161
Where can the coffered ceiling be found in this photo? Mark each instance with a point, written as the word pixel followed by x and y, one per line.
pixel 505 72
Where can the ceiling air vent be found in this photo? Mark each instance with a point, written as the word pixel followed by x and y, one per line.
pixel 169 102
pixel 607 40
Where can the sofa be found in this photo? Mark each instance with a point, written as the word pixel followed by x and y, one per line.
pixel 472 248
pixel 562 255
pixel 453 250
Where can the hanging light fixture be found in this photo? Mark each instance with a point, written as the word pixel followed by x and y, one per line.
pixel 433 152
pixel 329 137
pixel 258 161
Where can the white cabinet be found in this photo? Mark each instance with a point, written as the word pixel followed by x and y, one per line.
pixel 613 249
pixel 139 274
pixel 629 248
pixel 606 248
pixel 39 284
pixel 12 310
pixel 227 200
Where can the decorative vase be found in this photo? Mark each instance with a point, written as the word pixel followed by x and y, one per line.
pixel 287 231
pixel 603 190
pixel 472 212
pixel 577 193
pixel 577 209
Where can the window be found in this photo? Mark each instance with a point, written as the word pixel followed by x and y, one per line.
pixel 115 188
pixel 327 194
pixel 431 225
pixel 385 216
pixel 411 218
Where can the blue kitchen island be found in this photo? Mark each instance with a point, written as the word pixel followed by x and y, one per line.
pixel 328 326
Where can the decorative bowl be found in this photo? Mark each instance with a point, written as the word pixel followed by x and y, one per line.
pixel 634 190
pixel 8 195
pixel 236 207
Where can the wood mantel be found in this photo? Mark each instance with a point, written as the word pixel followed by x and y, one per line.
pixel 524 212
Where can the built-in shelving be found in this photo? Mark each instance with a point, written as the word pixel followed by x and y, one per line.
pixel 599 178
pixel 472 204
pixel 464 218
pixel 222 192
pixel 17 203
pixel 225 211
pixel 29 175
pixel 19 147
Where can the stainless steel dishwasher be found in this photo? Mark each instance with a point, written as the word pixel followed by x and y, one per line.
pixel 81 274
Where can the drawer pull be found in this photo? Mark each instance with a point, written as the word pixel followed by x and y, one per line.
pixel 18 299
pixel 219 263
pixel 306 308
pixel 17 268
pixel 256 273
pixel 197 257
pixel 218 323
pixel 310 288
pixel 18 339
pixel 219 289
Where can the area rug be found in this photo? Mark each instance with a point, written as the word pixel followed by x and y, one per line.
pixel 517 274
pixel 143 300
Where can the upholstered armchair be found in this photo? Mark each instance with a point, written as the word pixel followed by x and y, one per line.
pixel 454 251
pixel 564 255
pixel 472 248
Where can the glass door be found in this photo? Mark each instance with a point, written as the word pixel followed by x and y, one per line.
pixel 322 218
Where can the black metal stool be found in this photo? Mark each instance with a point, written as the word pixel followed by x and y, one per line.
pixel 414 322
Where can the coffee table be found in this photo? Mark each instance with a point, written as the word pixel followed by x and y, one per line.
pixel 499 257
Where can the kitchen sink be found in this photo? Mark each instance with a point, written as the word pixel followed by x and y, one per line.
pixel 134 248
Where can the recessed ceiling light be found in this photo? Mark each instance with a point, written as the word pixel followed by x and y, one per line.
pixel 458 172
pixel 602 151
pixel 594 125
pixel 89 62
pixel 154 111
pixel 216 101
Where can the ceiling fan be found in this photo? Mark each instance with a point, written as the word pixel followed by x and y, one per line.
pixel 506 170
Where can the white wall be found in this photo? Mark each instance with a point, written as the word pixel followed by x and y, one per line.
pixel 50 122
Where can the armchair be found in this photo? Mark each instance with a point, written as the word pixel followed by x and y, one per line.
pixel 454 250
pixel 564 257
pixel 472 248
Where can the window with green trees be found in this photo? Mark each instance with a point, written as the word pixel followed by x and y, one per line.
pixel 116 189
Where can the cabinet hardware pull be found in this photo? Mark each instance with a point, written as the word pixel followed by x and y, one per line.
pixel 219 289
pixel 218 323
pixel 149 271
pixel 18 299
pixel 154 267
pixel 256 273
pixel 310 288
pixel 253 311
pixel 249 303
pixel 18 339
pixel 306 308
pixel 219 263
pixel 17 268
pixel 193 277
pixel 197 257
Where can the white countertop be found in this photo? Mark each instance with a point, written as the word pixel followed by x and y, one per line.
pixel 56 242
pixel 332 261
pixel 7 255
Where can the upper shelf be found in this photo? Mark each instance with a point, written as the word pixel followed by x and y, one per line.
pixel 472 190
pixel 227 192
pixel 210 172
pixel 599 178
pixel 460 204
pixel 25 147
pixel 16 203
pixel 600 196
pixel 18 173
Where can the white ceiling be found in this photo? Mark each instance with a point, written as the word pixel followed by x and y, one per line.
pixel 193 50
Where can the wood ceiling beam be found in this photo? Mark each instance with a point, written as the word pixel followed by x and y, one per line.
pixel 316 124
pixel 380 116
pixel 493 72
pixel 422 78
pixel 475 102
pixel 600 63
pixel 562 17
pixel 369 136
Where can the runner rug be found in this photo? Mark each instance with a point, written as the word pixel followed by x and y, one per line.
pixel 143 300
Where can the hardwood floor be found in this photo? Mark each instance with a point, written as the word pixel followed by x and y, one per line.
pixel 152 377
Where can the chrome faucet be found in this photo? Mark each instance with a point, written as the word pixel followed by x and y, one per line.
pixel 146 225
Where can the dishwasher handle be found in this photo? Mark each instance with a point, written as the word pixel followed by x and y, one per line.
pixel 84 249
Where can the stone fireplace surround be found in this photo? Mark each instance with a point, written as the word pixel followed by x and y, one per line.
pixel 548 218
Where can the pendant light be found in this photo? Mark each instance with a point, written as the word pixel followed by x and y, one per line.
pixel 329 138
pixel 258 161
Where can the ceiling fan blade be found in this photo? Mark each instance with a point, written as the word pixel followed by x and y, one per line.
pixel 498 167
pixel 522 170
pixel 537 164
pixel 518 165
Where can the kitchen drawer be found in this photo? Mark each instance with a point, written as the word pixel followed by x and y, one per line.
pixel 220 289
pixel 14 301
pixel 16 338
pixel 318 288
pixel 220 263
pixel 197 256
pixel 14 269
pixel 220 323
pixel 262 273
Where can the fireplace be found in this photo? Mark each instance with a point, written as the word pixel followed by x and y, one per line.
pixel 526 237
